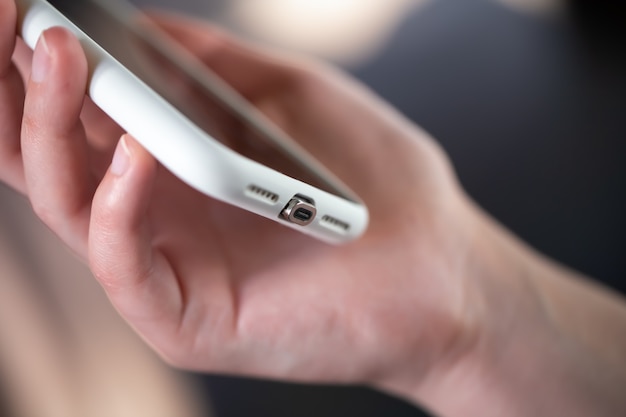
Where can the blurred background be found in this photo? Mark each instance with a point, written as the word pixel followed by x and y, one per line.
pixel 527 97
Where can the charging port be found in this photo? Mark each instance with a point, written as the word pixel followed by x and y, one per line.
pixel 303 214
pixel 300 210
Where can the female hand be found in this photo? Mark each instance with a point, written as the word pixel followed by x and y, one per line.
pixel 419 305
pixel 214 288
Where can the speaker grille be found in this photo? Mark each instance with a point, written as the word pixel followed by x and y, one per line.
pixel 261 194
pixel 335 224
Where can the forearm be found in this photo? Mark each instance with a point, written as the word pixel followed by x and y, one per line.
pixel 550 343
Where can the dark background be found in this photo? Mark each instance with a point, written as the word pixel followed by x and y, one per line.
pixel 532 111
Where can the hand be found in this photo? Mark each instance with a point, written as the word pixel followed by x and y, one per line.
pixel 214 288
pixel 423 304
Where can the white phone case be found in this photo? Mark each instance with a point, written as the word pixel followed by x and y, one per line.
pixel 187 151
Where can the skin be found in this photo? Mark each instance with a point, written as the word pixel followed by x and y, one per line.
pixel 435 299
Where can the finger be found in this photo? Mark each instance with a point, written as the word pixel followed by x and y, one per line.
pixel 138 279
pixel 101 131
pixel 54 148
pixel 233 60
pixel 11 102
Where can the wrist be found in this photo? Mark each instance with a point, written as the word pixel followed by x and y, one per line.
pixel 525 356
pixel 491 375
pixel 483 280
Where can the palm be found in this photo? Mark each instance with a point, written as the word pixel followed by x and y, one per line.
pixel 216 288
pixel 250 282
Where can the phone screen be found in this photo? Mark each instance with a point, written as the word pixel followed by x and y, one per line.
pixel 194 90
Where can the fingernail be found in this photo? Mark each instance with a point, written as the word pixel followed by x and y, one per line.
pixel 41 61
pixel 121 158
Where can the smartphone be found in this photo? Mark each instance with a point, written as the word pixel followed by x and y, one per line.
pixel 193 123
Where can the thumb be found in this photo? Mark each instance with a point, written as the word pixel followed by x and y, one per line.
pixel 137 278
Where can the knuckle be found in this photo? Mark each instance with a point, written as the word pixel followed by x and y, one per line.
pixel 185 350
pixel 172 359
pixel 44 213
pixel 177 357
pixel 308 76
pixel 211 51
pixel 54 211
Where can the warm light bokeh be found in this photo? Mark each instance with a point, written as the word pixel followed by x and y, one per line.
pixel 340 30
